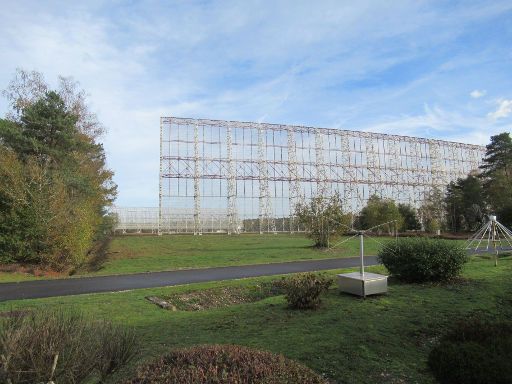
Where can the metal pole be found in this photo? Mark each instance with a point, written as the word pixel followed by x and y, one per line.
pixel 493 219
pixel 197 191
pixel 160 178
pixel 361 247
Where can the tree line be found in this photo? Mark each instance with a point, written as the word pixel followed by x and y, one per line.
pixel 464 206
pixel 54 183
pixel 55 187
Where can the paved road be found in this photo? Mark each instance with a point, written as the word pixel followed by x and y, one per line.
pixel 76 286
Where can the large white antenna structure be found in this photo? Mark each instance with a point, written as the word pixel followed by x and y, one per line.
pixel 493 235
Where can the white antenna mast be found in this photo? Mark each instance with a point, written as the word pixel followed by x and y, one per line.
pixel 492 234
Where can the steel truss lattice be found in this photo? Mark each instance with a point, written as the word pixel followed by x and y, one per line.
pixel 252 175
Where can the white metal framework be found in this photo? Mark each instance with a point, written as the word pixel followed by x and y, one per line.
pixel 493 235
pixel 136 220
pixel 146 219
pixel 253 174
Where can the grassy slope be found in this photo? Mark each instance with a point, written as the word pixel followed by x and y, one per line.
pixel 131 254
pixel 382 339
pixel 139 253
pixel 7 277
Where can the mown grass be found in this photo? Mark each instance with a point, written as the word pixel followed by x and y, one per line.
pixel 384 339
pixel 142 253
pixel 132 254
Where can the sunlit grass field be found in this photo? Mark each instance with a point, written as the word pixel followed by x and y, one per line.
pixel 132 254
pixel 382 339
pixel 152 253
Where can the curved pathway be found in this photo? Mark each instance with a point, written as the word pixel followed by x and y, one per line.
pixel 76 286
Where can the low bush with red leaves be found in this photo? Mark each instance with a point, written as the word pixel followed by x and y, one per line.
pixel 223 364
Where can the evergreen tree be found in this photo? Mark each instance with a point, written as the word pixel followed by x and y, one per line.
pixel 432 211
pixel 379 211
pixel 454 207
pixel 498 156
pixel 410 218
pixel 465 204
pixel 46 131
pixel 497 177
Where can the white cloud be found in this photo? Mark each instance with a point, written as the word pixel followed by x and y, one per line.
pixel 476 94
pixel 438 123
pixel 504 109
pixel 282 63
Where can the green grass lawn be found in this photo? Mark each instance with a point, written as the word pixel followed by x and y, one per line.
pixel 143 253
pixel 132 254
pixel 383 339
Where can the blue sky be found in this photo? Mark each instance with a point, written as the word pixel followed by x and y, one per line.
pixel 440 69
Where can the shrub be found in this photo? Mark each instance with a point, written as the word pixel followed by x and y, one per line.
pixel 65 347
pixel 303 290
pixel 422 259
pixel 474 351
pixel 323 218
pixel 226 364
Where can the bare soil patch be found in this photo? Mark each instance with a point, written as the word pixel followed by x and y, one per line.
pixel 218 297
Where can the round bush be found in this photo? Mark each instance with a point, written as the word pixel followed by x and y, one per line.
pixel 475 351
pixel 421 259
pixel 223 364
pixel 303 290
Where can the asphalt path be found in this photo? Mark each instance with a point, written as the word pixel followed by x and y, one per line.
pixel 114 283
pixel 481 251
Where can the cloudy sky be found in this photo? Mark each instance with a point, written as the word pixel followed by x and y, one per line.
pixel 439 69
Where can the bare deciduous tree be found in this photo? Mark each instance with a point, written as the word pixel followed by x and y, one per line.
pixel 23 90
pixel 28 86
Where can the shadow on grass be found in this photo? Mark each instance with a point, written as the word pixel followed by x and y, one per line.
pixel 100 256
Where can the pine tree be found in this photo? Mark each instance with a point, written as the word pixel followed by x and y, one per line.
pixel 54 184
pixel 497 177
pixel 410 218
pixel 464 204
pixel 498 156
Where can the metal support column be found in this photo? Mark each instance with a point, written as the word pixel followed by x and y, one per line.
pixel 231 181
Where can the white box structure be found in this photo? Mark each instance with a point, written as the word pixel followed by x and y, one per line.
pixel 363 284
